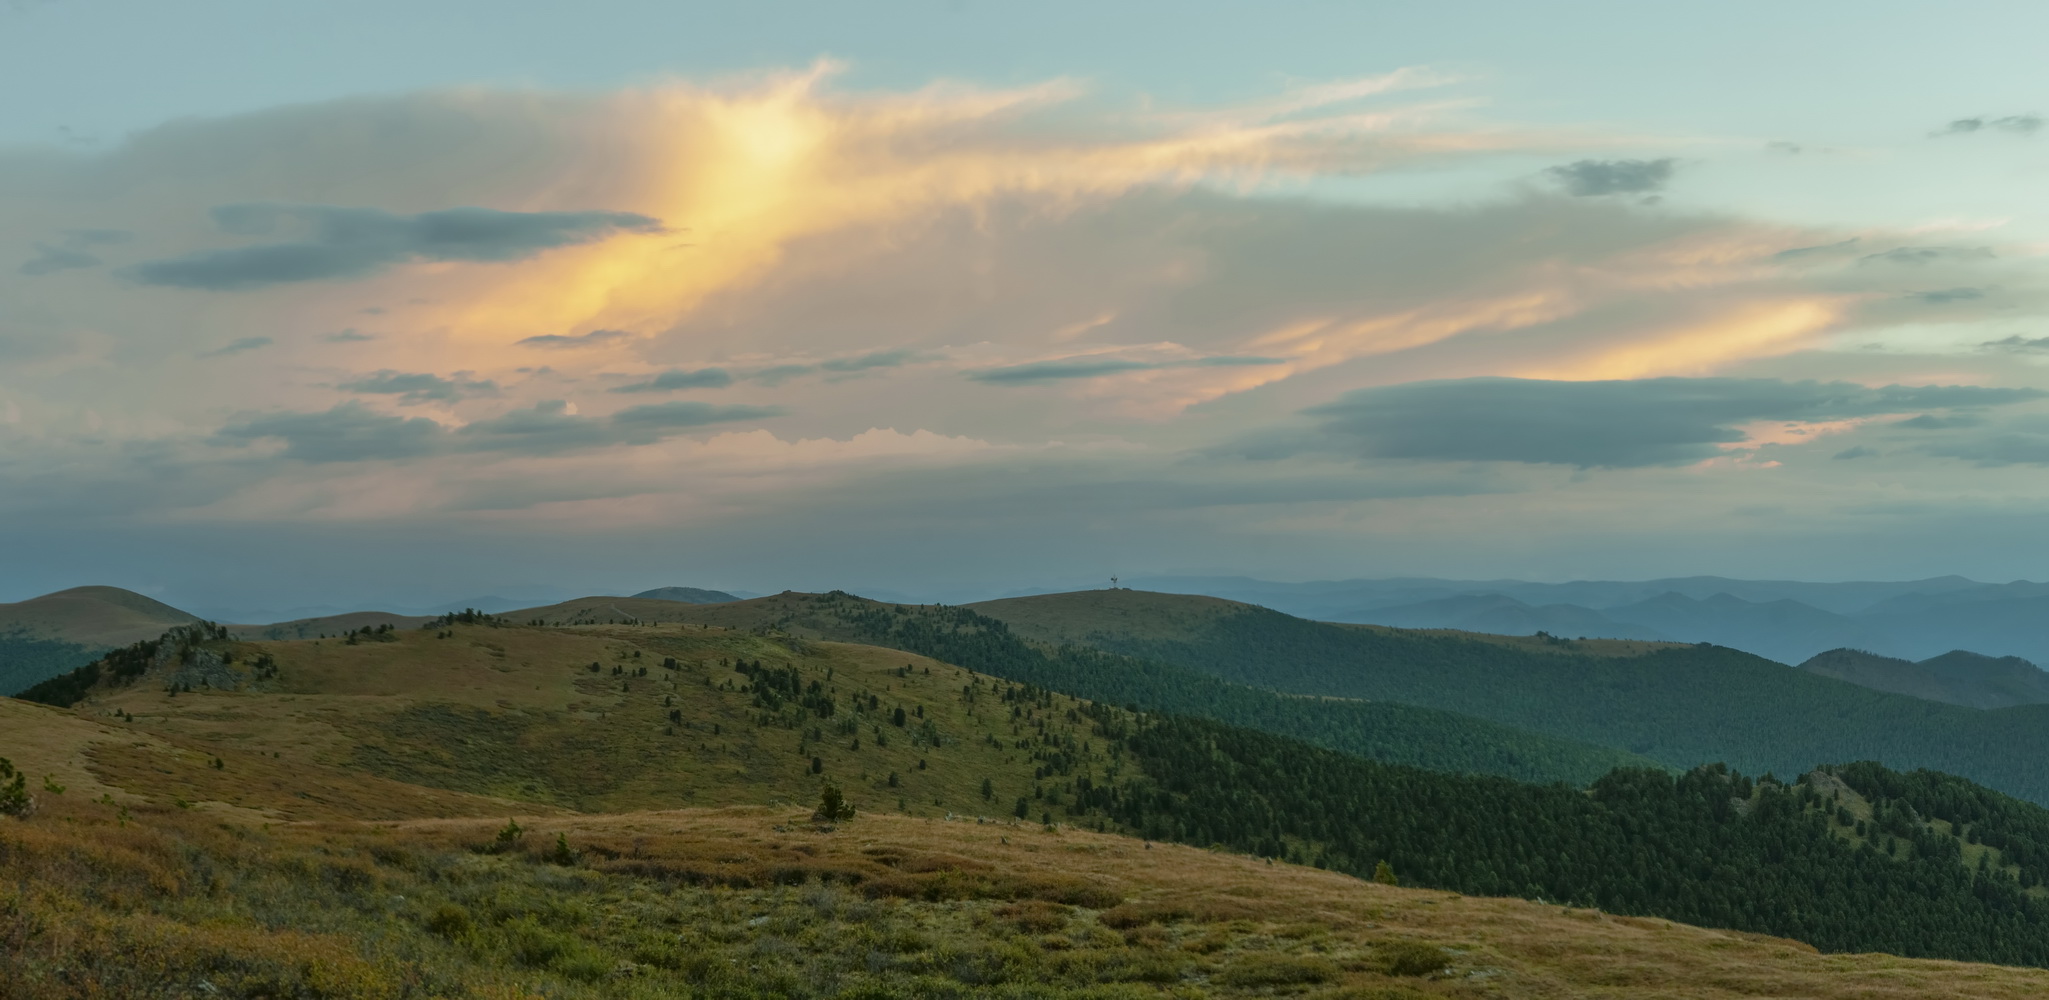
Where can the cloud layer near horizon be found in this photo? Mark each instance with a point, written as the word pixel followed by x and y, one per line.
pixel 688 307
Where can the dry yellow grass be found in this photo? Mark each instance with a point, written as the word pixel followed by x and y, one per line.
pixel 1168 920
pixel 461 721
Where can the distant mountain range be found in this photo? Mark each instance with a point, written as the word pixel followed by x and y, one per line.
pixel 1785 620
pixel 55 633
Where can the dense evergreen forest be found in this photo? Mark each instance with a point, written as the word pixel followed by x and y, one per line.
pixel 26 658
pixel 1680 707
pixel 1405 734
pixel 1708 847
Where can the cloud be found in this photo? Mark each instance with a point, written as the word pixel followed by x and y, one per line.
pixel 239 346
pixel 357 242
pixel 1854 452
pixel 1039 372
pixel 348 336
pixel 2014 124
pixel 2019 441
pixel 776 374
pixel 351 432
pixel 418 387
pixel 1825 249
pixel 2016 344
pixel 1931 422
pixel 1917 256
pixel 1608 424
pixel 1592 178
pixel 595 338
pixel 1947 295
pixel 677 378
pixel 69 251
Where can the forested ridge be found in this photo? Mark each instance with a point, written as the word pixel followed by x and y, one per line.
pixel 1678 706
pixel 1405 734
pixel 1708 847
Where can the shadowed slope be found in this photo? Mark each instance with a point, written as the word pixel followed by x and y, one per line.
pixel 1681 705
pixel 1956 677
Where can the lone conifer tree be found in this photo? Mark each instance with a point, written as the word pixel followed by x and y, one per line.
pixel 1384 874
pixel 833 806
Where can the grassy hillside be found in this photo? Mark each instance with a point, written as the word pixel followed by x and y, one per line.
pixel 1378 730
pixel 48 635
pixel 755 903
pixel 671 716
pixel 1681 706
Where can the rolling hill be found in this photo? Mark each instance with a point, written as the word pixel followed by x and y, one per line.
pixel 48 635
pixel 1679 705
pixel 1396 733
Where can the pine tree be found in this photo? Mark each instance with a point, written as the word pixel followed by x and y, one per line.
pixel 833 806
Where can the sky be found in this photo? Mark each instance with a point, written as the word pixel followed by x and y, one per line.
pixel 396 303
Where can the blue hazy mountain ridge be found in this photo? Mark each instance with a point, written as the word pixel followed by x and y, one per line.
pixel 1788 621
pixel 1500 614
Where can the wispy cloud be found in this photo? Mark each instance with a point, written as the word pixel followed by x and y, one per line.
pixel 239 346
pixel 1593 178
pixel 419 387
pixel 1063 369
pixel 352 432
pixel 69 252
pixel 345 242
pixel 1606 424
pixel 677 378
pixel 2011 124
pixel 595 338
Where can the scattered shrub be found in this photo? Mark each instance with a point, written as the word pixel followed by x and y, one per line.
pixel 1410 958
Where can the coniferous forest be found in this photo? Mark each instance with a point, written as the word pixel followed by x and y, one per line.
pixel 1707 846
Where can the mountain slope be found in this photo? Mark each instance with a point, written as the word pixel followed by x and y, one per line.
pixel 1378 730
pixel 1956 677
pixel 671 716
pixel 48 635
pixel 1681 706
